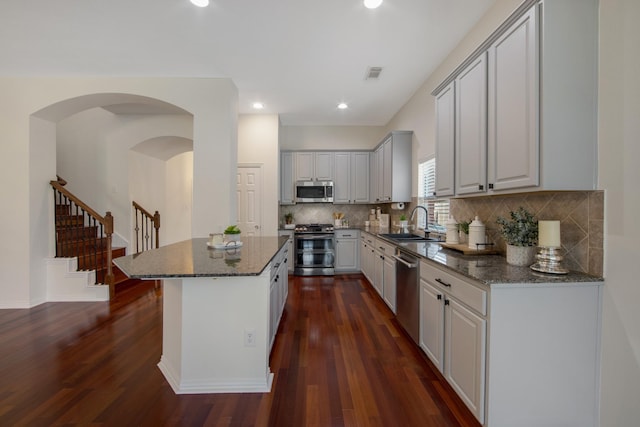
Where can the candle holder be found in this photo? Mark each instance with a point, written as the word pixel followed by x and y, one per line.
pixel 549 261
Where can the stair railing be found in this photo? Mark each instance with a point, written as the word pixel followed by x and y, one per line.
pixel 146 238
pixel 84 233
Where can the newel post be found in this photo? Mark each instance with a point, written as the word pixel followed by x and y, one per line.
pixel 156 225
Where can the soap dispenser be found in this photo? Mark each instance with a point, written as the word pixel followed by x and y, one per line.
pixel 477 233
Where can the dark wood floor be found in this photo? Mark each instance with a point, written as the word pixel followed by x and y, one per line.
pixel 339 359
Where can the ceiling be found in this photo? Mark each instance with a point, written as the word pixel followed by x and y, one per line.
pixel 299 57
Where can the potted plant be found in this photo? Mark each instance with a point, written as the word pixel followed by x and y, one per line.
pixel 232 234
pixel 520 233
pixel 463 231
pixel 288 220
pixel 403 222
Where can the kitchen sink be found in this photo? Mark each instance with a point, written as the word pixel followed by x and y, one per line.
pixel 408 237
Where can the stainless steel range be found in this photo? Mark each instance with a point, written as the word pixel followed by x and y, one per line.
pixel 314 250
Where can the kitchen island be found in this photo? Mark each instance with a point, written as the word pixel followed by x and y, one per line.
pixel 220 311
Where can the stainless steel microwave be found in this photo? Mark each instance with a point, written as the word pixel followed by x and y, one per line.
pixel 314 192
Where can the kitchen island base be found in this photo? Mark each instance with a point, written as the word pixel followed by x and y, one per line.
pixel 215 334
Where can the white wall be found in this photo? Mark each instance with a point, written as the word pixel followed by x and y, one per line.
pixel 331 137
pixel 619 175
pixel 258 145
pixel 175 220
pixel 213 103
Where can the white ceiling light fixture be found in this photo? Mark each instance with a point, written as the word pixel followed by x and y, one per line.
pixel 200 3
pixel 342 106
pixel 258 105
pixel 372 4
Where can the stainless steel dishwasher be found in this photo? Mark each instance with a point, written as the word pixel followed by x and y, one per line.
pixel 408 293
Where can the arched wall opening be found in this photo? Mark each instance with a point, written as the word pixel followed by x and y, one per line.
pixel 32 109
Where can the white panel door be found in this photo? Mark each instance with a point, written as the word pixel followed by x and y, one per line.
pixel 359 177
pixel 432 323
pixel 249 188
pixel 445 141
pixel 342 178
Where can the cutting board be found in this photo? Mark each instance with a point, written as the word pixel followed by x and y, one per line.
pixel 466 250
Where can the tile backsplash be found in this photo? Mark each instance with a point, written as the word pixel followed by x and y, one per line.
pixel 581 215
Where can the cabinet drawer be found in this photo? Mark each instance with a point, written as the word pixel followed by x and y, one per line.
pixel 384 247
pixel 456 287
pixel 347 234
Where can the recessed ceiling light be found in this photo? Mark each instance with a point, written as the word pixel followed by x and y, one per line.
pixel 200 3
pixel 258 105
pixel 372 4
pixel 342 106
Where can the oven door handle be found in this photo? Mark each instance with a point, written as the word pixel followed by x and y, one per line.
pixel 315 237
pixel 405 262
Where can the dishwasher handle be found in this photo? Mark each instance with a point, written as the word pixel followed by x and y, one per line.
pixel 405 262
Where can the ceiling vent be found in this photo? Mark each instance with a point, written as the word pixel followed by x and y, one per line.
pixel 373 73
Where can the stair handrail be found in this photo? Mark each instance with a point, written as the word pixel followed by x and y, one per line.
pixel 154 219
pixel 106 221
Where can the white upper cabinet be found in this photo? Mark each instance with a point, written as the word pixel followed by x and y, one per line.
pixel 351 177
pixel 539 108
pixel 287 181
pixel 312 166
pixel 513 105
pixel 393 160
pixel 471 128
pixel 445 141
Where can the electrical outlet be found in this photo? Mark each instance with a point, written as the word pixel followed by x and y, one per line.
pixel 249 337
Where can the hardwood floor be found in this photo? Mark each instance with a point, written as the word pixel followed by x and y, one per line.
pixel 339 359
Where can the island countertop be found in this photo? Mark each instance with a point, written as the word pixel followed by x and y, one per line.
pixel 193 258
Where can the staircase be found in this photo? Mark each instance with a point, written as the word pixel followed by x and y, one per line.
pixel 85 236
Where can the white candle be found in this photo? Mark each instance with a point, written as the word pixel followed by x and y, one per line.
pixel 549 234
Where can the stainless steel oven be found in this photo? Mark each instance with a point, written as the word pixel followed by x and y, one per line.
pixel 314 247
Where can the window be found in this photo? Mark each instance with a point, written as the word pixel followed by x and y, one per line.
pixel 438 208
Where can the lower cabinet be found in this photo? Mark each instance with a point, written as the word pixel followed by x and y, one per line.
pixel 279 290
pixel 517 354
pixel 347 251
pixel 289 234
pixel 454 336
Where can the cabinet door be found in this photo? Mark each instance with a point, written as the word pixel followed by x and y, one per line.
pixel 377 260
pixel 364 260
pixel 389 282
pixel 342 178
pixel 432 323
pixel 380 174
pixel 287 180
pixel 324 166
pixel 346 254
pixel 513 107
pixel 465 355
pixel 471 128
pixel 387 170
pixel 304 163
pixel 445 141
pixel 359 177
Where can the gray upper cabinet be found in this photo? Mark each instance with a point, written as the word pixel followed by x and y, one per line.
pixel 513 88
pixel 540 106
pixel 471 128
pixel 287 181
pixel 351 177
pixel 445 141
pixel 393 157
pixel 314 166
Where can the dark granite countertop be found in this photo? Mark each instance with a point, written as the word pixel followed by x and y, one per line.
pixel 193 258
pixel 491 270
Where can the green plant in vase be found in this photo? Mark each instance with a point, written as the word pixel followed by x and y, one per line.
pixel 232 234
pixel 520 233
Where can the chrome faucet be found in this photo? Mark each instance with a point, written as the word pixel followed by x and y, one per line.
pixel 426 218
